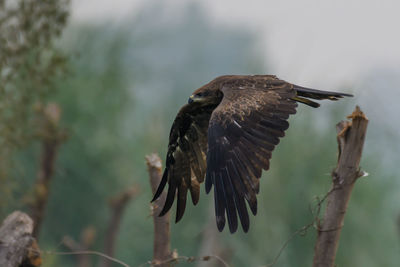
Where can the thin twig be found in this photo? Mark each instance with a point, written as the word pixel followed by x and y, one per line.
pixel 177 259
pixel 85 252
pixel 315 211
pixel 174 259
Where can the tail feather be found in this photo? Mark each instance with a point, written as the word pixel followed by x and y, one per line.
pixel 306 101
pixel 303 93
pixel 318 94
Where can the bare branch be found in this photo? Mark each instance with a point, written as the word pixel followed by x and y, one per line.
pixel 211 243
pixel 117 205
pixel 17 246
pixel 88 236
pixel 51 137
pixel 161 249
pixel 351 136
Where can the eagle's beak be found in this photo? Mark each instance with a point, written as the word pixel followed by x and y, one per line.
pixel 191 99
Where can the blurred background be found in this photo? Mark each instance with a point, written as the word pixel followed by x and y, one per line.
pixel 115 74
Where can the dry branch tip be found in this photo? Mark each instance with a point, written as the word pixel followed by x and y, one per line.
pixel 357 114
pixel 153 161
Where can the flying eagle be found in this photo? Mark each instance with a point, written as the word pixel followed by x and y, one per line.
pixel 225 135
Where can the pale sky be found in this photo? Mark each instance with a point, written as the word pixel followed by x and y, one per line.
pixel 315 43
pixel 310 41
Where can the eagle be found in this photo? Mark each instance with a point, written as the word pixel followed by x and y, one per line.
pixel 225 135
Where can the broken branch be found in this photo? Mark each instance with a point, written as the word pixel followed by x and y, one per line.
pixel 351 136
pixel 161 249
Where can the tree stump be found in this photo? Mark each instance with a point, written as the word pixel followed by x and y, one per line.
pixel 17 246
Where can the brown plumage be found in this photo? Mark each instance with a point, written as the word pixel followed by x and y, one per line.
pixel 225 135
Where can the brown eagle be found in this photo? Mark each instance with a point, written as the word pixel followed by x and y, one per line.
pixel 225 135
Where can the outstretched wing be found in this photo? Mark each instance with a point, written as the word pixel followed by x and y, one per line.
pixel 243 131
pixel 186 157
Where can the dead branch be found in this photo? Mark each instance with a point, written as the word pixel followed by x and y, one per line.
pixel 175 259
pixel 351 136
pixel 211 243
pixel 117 205
pixel 17 246
pixel 87 239
pixel 161 249
pixel 51 137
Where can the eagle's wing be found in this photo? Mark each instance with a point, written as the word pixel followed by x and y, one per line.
pixel 243 131
pixel 186 157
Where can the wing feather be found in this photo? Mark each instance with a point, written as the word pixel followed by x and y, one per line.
pixel 229 195
pixel 181 203
pixel 186 158
pixel 219 199
pixel 239 193
pixel 243 131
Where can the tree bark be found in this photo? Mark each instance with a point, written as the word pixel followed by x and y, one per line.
pixel 17 246
pixel 161 249
pixel 351 136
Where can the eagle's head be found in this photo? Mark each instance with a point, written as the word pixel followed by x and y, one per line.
pixel 206 95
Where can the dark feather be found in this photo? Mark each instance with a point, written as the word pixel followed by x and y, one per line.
pixel 306 101
pixel 195 191
pixel 186 152
pixel 181 203
pixel 219 198
pixel 161 186
pixel 170 199
pixel 239 194
pixel 318 94
pixel 229 199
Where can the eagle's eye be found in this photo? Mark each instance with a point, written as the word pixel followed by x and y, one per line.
pixel 202 94
pixel 199 97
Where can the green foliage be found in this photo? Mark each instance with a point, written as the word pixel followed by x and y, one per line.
pixel 29 64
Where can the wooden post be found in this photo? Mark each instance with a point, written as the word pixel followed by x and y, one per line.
pixel 351 136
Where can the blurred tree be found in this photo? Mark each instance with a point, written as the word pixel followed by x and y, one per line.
pixel 29 65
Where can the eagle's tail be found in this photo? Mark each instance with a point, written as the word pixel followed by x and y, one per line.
pixel 304 93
